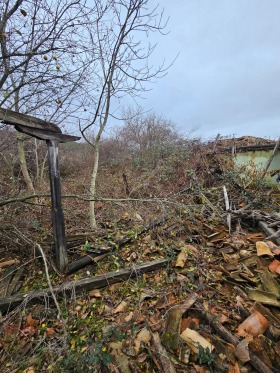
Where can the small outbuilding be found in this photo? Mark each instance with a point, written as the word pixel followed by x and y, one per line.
pixel 253 156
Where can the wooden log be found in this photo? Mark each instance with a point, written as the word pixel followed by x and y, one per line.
pixel 96 282
pixel 171 335
pixel 57 212
pixel 15 118
pixel 82 263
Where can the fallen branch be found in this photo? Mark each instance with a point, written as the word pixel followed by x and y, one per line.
pixel 84 261
pixel 9 263
pixel 95 282
pixel 83 197
pixel 53 293
pixel 49 281
pixel 271 225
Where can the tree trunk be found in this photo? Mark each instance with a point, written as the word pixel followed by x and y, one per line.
pixel 92 189
pixel 23 164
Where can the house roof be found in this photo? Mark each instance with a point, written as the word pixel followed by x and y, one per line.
pixel 244 143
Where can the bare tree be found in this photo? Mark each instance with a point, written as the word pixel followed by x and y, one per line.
pixel 120 37
pixel 43 61
pixel 148 136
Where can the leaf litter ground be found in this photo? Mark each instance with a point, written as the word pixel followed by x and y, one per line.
pixel 214 307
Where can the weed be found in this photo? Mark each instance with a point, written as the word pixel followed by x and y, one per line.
pixel 87 246
pixel 205 357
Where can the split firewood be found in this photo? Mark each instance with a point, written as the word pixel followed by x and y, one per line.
pixel 194 340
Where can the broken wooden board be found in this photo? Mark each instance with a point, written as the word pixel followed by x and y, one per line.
pixel 15 118
pixel 45 134
pixel 96 282
pixel 6 279
pixel 35 127
pixel 10 281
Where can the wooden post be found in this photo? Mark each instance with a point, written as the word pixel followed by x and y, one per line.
pixel 57 212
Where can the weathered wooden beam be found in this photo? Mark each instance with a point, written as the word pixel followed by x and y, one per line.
pixel 57 212
pixel 45 134
pixel 15 118
pixel 34 127
pixel 96 282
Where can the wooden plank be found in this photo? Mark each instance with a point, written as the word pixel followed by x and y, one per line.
pixel 57 212
pixel 96 282
pixel 6 280
pixel 14 118
pixel 15 284
pixel 46 134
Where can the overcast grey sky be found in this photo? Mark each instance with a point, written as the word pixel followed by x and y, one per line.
pixel 227 77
